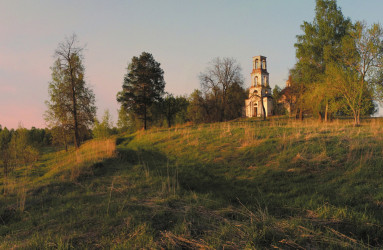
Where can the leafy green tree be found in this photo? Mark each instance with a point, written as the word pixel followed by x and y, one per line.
pixel 22 152
pixel 16 150
pixel 360 76
pixel 143 85
pixel 198 110
pixel 39 137
pixel 278 108
pixel 71 106
pixel 315 50
pixel 171 106
pixel 181 116
pixel 61 136
pixel 124 122
pixel 5 139
pixel 104 128
pixel 236 96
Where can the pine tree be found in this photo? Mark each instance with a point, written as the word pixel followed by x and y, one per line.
pixel 143 85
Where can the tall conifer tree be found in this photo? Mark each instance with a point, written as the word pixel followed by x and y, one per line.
pixel 143 85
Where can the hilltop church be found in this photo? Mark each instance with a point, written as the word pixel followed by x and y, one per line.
pixel 260 90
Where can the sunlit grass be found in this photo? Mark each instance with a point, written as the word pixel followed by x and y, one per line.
pixel 241 184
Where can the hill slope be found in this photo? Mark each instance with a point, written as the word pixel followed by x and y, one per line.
pixel 251 184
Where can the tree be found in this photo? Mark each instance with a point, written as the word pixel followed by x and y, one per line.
pixel 104 128
pixel 71 106
pixel 21 150
pixel 182 115
pixel 218 79
pixel 278 108
pixel 198 110
pixel 5 139
pixel 124 122
pixel 360 75
pixel 315 50
pixel 143 85
pixel 171 106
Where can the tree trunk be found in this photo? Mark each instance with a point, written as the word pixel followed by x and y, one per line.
pixel 145 117
pixel 301 114
pixel 74 112
pixel 76 135
pixel 168 116
pixel 358 118
pixel 326 113
pixel 75 121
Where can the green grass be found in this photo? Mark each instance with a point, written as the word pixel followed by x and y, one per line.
pixel 241 184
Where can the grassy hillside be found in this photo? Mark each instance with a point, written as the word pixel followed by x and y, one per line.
pixel 250 183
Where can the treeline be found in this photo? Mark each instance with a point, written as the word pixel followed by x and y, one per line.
pixel 21 146
pixel 145 103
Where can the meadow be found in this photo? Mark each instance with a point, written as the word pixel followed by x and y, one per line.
pixel 248 183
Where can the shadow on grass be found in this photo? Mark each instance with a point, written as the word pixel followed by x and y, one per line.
pixel 284 194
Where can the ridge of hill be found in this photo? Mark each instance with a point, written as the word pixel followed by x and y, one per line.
pixel 240 184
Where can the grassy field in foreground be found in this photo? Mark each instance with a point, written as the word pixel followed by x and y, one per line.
pixel 241 184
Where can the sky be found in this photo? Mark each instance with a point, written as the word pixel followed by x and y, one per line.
pixel 182 35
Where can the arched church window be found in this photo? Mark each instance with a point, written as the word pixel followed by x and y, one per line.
pixel 265 80
pixel 256 64
pixel 256 81
pixel 263 64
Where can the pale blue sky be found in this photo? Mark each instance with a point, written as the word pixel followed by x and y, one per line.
pixel 182 35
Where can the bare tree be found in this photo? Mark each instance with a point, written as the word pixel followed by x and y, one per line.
pixel 218 78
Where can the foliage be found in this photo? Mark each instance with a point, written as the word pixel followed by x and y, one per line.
pixel 170 110
pixel 104 128
pixel 361 70
pixel 125 122
pixel 197 110
pixel 278 108
pixel 39 137
pixel 143 85
pixel 16 149
pixel 315 50
pixel 21 152
pixel 5 159
pixel 71 106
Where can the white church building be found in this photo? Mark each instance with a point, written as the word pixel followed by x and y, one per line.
pixel 259 90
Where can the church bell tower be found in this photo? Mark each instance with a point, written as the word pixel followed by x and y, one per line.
pixel 259 75
pixel 260 91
